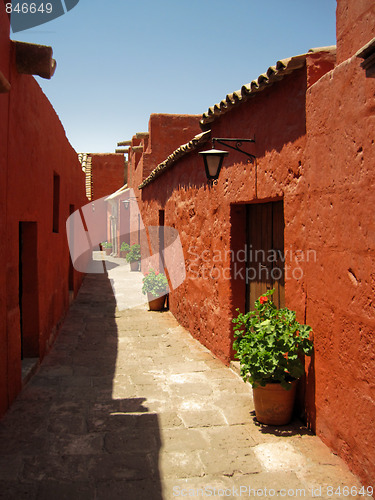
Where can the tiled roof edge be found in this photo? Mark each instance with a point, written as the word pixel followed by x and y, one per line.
pixel 282 68
pixel 274 73
pixel 366 50
pixel 329 48
pixel 176 155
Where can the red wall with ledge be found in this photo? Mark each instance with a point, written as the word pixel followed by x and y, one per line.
pixel 166 133
pixel 340 286
pixel 315 150
pixel 33 149
pixel 355 26
pixel 108 173
pixel 210 220
pixel 4 107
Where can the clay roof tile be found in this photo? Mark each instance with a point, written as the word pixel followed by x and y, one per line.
pixel 173 157
pixel 274 73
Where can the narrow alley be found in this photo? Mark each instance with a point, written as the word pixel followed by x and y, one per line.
pixel 127 405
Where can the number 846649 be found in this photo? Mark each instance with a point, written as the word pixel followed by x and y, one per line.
pixel 29 8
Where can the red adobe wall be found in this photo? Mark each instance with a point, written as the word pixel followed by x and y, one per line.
pixel 211 221
pixel 355 26
pixel 35 148
pixel 135 165
pixel 4 105
pixel 315 150
pixel 340 153
pixel 108 173
pixel 166 133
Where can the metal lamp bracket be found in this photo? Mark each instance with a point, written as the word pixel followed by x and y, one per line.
pixel 236 147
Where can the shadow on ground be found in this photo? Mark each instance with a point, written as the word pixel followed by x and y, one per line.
pixel 66 437
pixel 295 428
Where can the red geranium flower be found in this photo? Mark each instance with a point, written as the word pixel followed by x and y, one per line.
pixel 263 299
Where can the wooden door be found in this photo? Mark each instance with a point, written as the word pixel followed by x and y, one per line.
pixel 265 252
pixel 28 289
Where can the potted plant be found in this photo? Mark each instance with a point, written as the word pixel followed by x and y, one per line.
pixel 124 249
pixel 134 256
pixel 155 284
pixel 107 245
pixel 269 343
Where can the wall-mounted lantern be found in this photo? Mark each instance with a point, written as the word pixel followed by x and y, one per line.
pixel 213 158
pixel 126 202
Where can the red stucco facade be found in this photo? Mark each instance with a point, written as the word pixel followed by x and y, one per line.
pixel 354 26
pixel 166 132
pixel 211 220
pixel 41 184
pixel 340 155
pixel 107 173
pixel 314 151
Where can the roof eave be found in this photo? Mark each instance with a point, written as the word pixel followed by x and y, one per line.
pixel 273 74
pixel 190 146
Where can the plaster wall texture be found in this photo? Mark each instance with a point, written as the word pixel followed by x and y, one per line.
pixel 211 221
pixel 340 285
pixel 340 202
pixel 355 23
pixel 35 150
pixel 315 151
pixel 108 173
pixel 166 133
pixel 4 109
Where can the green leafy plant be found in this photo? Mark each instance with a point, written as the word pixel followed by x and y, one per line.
pixel 106 244
pixel 269 343
pixel 124 247
pixel 134 253
pixel 155 283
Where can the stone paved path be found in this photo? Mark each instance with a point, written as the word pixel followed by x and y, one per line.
pixel 128 406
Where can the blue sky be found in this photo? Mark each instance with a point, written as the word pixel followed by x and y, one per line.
pixel 118 61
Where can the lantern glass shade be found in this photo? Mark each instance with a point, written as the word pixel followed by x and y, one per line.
pixel 213 161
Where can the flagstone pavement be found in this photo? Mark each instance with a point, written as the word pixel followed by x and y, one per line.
pixel 127 405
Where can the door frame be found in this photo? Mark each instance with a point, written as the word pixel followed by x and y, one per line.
pixel 265 243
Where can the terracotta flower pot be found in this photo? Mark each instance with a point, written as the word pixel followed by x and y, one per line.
pixel 134 266
pixel 155 304
pixel 274 404
pixel 123 253
pixel 108 251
